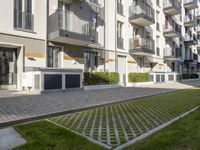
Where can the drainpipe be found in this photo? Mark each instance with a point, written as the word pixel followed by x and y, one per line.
pixel 115 36
pixel 104 16
pixel 46 27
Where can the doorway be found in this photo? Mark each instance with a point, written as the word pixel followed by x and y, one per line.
pixel 8 67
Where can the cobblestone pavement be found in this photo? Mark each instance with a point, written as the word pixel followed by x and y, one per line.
pixel 27 106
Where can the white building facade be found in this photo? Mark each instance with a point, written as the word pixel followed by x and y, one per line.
pixel 160 37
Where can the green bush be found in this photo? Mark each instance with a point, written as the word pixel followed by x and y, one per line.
pixel 186 76
pixel 138 77
pixel 100 78
pixel 194 76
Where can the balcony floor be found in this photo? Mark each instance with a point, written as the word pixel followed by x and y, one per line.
pixel 191 5
pixel 172 11
pixel 142 20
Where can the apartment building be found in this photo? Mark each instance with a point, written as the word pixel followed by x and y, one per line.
pixel 160 37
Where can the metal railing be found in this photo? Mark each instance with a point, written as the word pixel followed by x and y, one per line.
pixel 142 8
pixel 172 52
pixel 172 26
pixel 191 37
pixel 170 3
pixel 67 21
pixel 142 43
pixel 23 20
pixel 190 18
pixel 198 28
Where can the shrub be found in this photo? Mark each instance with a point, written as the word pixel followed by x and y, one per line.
pixel 194 76
pixel 138 77
pixel 186 76
pixel 100 78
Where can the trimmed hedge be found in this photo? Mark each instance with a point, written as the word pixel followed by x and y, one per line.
pixel 138 77
pixel 186 76
pixel 100 78
pixel 192 76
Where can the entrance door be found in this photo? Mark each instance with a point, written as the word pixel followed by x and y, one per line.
pixel 7 66
pixel 121 67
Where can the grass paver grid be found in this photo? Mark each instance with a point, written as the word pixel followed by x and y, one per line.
pixel 116 124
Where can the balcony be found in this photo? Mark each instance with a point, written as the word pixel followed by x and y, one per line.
pixel 141 46
pixel 141 14
pixel 172 7
pixel 65 27
pixel 190 4
pixel 190 39
pixel 190 20
pixel 172 53
pixel 172 30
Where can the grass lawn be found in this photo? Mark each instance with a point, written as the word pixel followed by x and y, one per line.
pixel 182 135
pixel 46 136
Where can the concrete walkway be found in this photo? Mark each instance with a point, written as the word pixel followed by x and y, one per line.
pixel 24 107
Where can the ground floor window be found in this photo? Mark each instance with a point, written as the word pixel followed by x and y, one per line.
pixel 52 57
pixel 8 66
pixel 91 61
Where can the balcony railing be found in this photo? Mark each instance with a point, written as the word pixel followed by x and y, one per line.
pixel 72 24
pixel 172 52
pixel 140 44
pixel 172 27
pixel 170 5
pixel 191 4
pixel 120 43
pixel 191 38
pixel 23 20
pixel 190 20
pixel 141 9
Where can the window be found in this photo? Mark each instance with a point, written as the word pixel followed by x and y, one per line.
pixel 173 66
pixel 158 3
pixel 120 8
pixel 23 17
pixel 120 40
pixel 52 57
pixel 157 45
pixel 157 21
pixel 91 61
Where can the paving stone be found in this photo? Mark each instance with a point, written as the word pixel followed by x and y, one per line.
pixel 10 139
